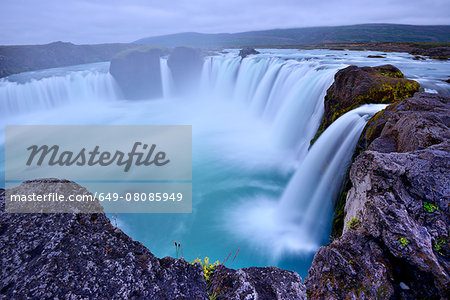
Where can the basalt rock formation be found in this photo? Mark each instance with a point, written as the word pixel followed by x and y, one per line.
pixel 256 283
pixel 138 73
pixel 247 51
pixel 74 256
pixel 354 86
pixel 185 64
pixel 396 234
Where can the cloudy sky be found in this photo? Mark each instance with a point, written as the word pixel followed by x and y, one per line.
pixel 96 21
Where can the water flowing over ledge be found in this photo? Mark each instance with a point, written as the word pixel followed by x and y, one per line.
pixel 256 185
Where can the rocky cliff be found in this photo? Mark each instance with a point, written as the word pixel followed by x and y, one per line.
pixel 83 256
pixel 185 64
pixel 395 240
pixel 138 73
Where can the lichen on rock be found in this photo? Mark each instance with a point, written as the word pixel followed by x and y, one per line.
pixel 354 86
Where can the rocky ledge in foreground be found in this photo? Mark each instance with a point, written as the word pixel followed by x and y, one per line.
pixel 83 256
pixel 396 234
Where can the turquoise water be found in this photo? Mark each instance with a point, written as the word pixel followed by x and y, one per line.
pixel 252 122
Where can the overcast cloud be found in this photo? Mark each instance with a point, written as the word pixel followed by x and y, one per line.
pixel 78 21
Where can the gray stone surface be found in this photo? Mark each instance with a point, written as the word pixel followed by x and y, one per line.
pixel 257 283
pixel 82 256
pixel 185 64
pixel 399 239
pixel 138 73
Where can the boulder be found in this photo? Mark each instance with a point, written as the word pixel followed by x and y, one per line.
pixel 138 73
pixel 395 238
pixel 256 283
pixel 185 64
pixel 74 256
pixel 246 52
pixel 354 86
pixel 413 124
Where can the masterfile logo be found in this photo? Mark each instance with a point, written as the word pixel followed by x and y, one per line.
pixel 126 168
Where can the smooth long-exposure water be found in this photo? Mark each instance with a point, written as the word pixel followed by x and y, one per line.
pixel 256 186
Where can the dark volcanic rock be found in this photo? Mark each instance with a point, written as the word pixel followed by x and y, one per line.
pixel 247 51
pixel 413 124
pixel 73 256
pixel 256 283
pixel 435 52
pixel 138 73
pixel 185 65
pixel 397 221
pixel 345 269
pixel 354 86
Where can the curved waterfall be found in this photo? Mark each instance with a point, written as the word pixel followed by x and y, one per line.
pixel 252 119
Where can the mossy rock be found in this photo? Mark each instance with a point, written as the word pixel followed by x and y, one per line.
pixel 355 86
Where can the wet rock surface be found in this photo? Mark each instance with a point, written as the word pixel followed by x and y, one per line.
pixel 396 233
pixel 247 51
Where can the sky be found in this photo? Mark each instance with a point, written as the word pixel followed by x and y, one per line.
pixel 96 21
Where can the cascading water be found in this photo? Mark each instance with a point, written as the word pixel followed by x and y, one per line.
pixel 48 92
pixel 255 184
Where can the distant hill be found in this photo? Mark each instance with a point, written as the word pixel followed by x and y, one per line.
pixel 364 33
pixel 16 59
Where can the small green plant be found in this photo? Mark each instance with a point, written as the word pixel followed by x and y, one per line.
pixel 403 241
pixel 430 207
pixel 208 268
pixel 439 244
pixel 353 223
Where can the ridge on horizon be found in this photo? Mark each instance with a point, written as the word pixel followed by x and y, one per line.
pixel 359 33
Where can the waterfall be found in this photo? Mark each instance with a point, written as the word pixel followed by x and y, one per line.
pixel 288 94
pixel 48 92
pixel 308 199
pixel 300 220
pixel 166 79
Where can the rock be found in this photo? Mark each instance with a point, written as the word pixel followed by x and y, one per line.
pixel 185 65
pixel 400 199
pixel 352 267
pixel 73 256
pixel 418 57
pixel 434 52
pixel 256 283
pixel 138 73
pixel 403 286
pixel 354 86
pixel 413 124
pixel 246 52
pixel 376 56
